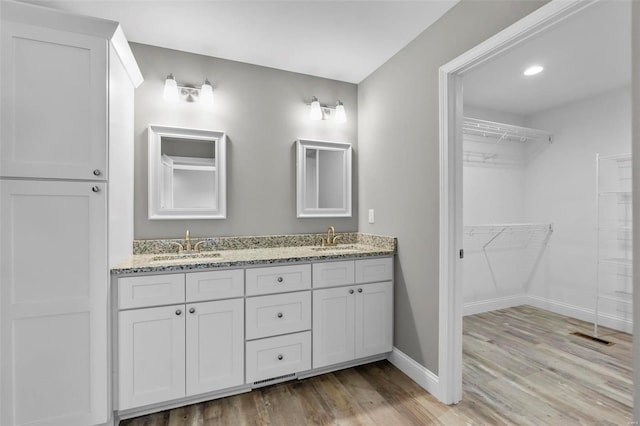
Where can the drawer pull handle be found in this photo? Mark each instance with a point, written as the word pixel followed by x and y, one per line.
pixel 350 291
pixel 178 312
pixel 359 290
pixel 280 315
pixel 280 279
pixel 97 172
pixel 280 357
pixel 192 310
pixel 95 188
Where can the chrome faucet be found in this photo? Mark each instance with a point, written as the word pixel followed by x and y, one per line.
pixel 187 240
pixel 331 237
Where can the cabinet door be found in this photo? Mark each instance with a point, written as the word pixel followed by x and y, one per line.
pixel 151 355
pixel 333 326
pixel 54 305
pixel 54 103
pixel 215 345
pixel 374 319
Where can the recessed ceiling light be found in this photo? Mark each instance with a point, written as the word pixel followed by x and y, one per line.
pixel 533 70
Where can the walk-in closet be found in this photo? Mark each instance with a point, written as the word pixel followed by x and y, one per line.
pixel 547 173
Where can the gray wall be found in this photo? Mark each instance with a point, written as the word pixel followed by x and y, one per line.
pixel 263 112
pixel 398 157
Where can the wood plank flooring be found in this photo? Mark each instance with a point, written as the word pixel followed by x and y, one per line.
pixel 521 367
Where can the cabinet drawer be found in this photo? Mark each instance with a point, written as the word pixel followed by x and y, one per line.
pixel 278 356
pixel 212 285
pixel 374 270
pixel 333 274
pixel 277 279
pixel 150 290
pixel 278 314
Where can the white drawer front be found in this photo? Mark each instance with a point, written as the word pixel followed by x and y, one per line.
pixel 333 274
pixel 278 356
pixel 374 270
pixel 278 314
pixel 150 290
pixel 277 279
pixel 212 285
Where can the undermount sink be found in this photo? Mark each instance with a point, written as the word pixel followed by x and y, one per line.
pixel 334 248
pixel 179 256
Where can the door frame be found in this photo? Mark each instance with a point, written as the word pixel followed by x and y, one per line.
pixel 451 226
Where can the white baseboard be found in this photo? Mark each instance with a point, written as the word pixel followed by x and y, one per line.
pixel 473 308
pixel 578 312
pixel 418 373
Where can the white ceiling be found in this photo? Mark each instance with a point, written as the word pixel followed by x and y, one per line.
pixel 586 55
pixel 341 40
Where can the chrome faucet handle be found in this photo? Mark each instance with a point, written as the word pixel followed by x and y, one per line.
pixel 334 239
pixel 196 247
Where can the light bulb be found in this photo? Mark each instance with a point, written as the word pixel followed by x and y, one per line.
pixel 170 89
pixel 340 117
pixel 316 111
pixel 206 93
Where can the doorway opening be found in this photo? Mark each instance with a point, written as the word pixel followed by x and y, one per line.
pixel 454 118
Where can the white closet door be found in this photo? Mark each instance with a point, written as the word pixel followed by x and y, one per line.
pixel 53 291
pixel 62 135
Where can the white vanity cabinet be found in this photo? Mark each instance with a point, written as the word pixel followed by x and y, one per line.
pixel 66 119
pixel 355 320
pixel 186 348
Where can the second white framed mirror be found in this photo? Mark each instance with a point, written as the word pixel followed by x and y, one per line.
pixel 323 178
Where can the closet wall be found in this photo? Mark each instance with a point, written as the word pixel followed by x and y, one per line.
pixel 555 184
pixel 560 188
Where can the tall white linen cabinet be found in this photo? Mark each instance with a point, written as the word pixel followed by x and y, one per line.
pixel 66 210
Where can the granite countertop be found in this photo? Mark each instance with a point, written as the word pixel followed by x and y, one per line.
pixel 161 256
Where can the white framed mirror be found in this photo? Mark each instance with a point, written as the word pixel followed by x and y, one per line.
pixel 187 173
pixel 323 178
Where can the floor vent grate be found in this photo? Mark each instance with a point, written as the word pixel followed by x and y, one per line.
pixel 274 379
pixel 593 338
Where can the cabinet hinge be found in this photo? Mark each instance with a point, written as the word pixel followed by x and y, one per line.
pixel 461 253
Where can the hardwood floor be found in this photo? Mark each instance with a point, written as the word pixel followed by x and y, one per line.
pixel 521 366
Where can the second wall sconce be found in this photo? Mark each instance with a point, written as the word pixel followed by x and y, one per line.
pixel 173 91
pixel 324 112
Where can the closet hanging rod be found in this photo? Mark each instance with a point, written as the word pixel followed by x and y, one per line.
pixel 504 132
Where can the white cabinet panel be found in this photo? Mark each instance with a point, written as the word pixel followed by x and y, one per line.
pixel 374 270
pixel 53 292
pixel 277 279
pixel 333 326
pixel 214 345
pixel 211 285
pixel 150 290
pixel 151 355
pixel 332 274
pixel 278 356
pixel 67 74
pixel 278 314
pixel 374 319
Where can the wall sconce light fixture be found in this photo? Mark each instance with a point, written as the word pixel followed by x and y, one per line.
pixel 173 91
pixel 324 112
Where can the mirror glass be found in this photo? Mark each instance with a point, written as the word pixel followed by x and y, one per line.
pixel 186 173
pixel 323 178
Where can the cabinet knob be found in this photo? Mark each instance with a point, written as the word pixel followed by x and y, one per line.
pixel 280 315
pixel 280 279
pixel 359 290
pixel 178 312
pixel 280 357
pixel 95 188
pixel 192 310
pixel 350 291
pixel 97 172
